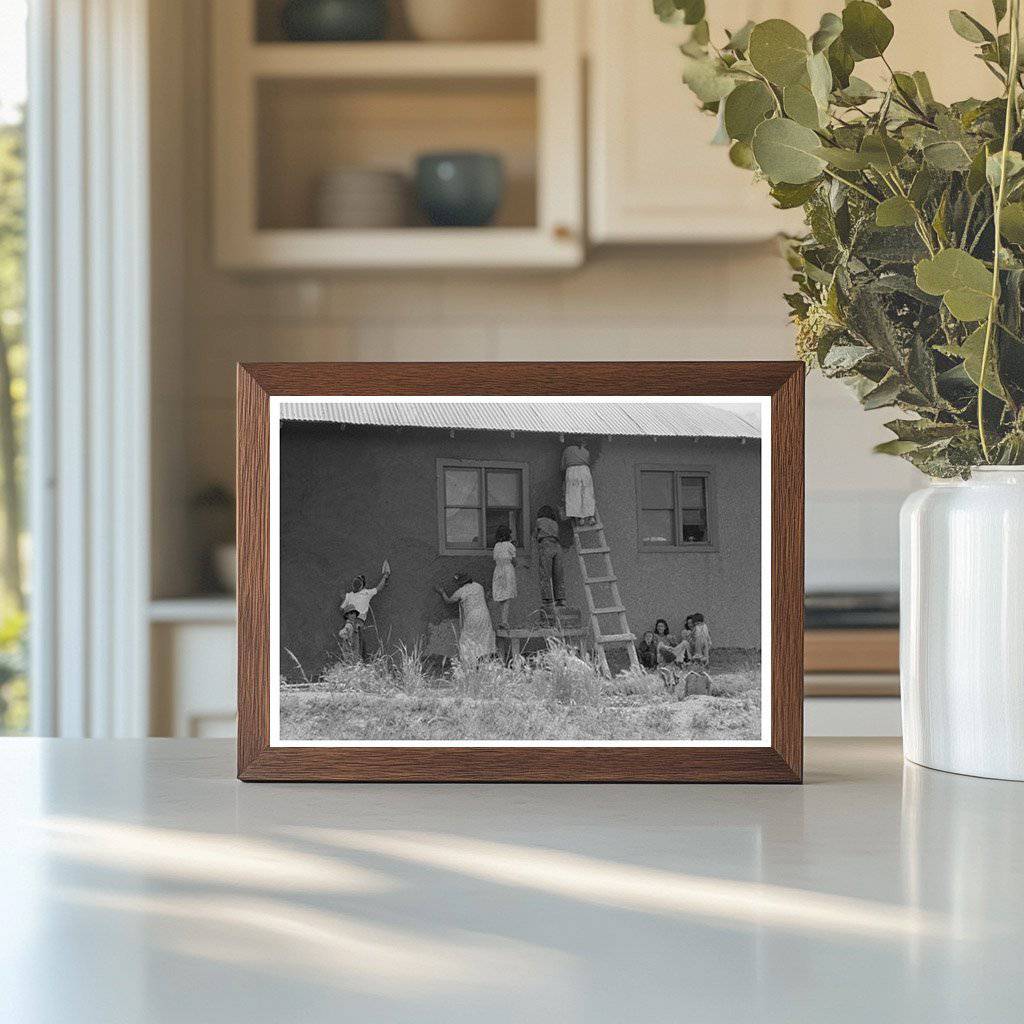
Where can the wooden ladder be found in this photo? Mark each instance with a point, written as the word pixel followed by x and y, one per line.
pixel 610 606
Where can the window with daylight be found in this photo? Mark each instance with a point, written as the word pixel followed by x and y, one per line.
pixel 474 499
pixel 674 509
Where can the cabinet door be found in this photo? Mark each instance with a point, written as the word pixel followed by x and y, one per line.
pixel 653 174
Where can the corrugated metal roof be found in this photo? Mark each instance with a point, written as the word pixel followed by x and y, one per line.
pixel 636 419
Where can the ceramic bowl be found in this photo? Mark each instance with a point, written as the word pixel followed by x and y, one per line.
pixel 333 21
pixel 470 20
pixel 460 189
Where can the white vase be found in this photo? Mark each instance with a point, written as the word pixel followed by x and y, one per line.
pixel 962 624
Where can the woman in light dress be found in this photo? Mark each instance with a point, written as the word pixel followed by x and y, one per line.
pixel 503 584
pixel 476 636
pixel 579 484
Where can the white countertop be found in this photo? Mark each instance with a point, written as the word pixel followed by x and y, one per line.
pixel 140 882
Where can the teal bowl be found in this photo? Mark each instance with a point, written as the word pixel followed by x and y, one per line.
pixel 460 189
pixel 334 21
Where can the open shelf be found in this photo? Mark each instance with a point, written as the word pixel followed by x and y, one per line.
pixel 286 114
pixel 520 22
pixel 393 60
pixel 309 127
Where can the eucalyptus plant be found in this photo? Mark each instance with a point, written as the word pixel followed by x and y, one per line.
pixel 910 277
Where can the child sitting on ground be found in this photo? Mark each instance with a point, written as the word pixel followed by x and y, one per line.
pixel 647 650
pixel 503 583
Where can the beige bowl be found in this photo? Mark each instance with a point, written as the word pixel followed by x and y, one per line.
pixel 362 198
pixel 471 20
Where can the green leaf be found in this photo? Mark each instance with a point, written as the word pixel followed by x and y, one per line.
pixel 971 352
pixel 779 51
pixel 963 281
pixel 829 30
pixel 745 108
pixel 707 78
pixel 885 394
pixel 739 41
pixel 801 106
pixel 924 88
pixel 969 28
pixel 857 91
pixel 819 74
pixel 976 173
pixel 788 196
pixel 787 152
pixel 883 152
pixel 999 9
pixel 947 156
pixel 895 447
pixel 1012 223
pixel 866 29
pixel 993 167
pixel 895 212
pixel 923 431
pixel 689 12
pixel 741 155
pixel 701 34
pixel 844 159
pixel 841 63
pixel 922 185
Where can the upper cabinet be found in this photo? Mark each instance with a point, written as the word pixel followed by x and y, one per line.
pixel 316 143
pixel 654 176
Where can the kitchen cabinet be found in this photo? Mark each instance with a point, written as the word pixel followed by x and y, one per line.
pixel 288 114
pixel 654 177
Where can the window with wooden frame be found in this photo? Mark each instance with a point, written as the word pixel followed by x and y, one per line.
pixel 474 498
pixel 675 508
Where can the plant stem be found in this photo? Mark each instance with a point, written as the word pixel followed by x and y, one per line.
pixel 1011 109
pixel 853 185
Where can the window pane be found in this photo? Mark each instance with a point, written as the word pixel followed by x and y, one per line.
pixel 657 528
pixel 462 487
pixel 656 490
pixel 504 517
pixel 695 534
pixel 691 492
pixel 462 528
pixel 504 488
pixel 14 683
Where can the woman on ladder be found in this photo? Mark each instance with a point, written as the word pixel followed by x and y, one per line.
pixel 579 484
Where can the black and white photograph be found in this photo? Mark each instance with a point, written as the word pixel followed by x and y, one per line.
pixel 541 570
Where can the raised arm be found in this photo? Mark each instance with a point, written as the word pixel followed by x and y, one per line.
pixel 447 599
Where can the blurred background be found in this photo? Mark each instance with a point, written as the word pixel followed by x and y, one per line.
pixel 369 180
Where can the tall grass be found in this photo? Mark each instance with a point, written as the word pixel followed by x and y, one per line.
pixel 553 695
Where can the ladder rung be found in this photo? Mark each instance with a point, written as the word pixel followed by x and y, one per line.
pixel 609 610
pixel 600 579
pixel 615 638
pixel 595 551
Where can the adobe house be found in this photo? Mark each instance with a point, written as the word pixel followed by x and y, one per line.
pixel 425 486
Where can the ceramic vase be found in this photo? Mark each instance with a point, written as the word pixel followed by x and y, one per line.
pixel 962 624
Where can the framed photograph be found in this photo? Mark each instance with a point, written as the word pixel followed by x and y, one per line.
pixel 562 572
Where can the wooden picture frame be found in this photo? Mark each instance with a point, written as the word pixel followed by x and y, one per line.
pixel 779 759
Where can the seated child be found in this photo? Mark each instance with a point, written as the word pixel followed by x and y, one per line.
pixel 647 650
pixel 349 636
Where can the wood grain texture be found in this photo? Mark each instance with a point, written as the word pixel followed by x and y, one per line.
pixel 852 650
pixel 779 762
